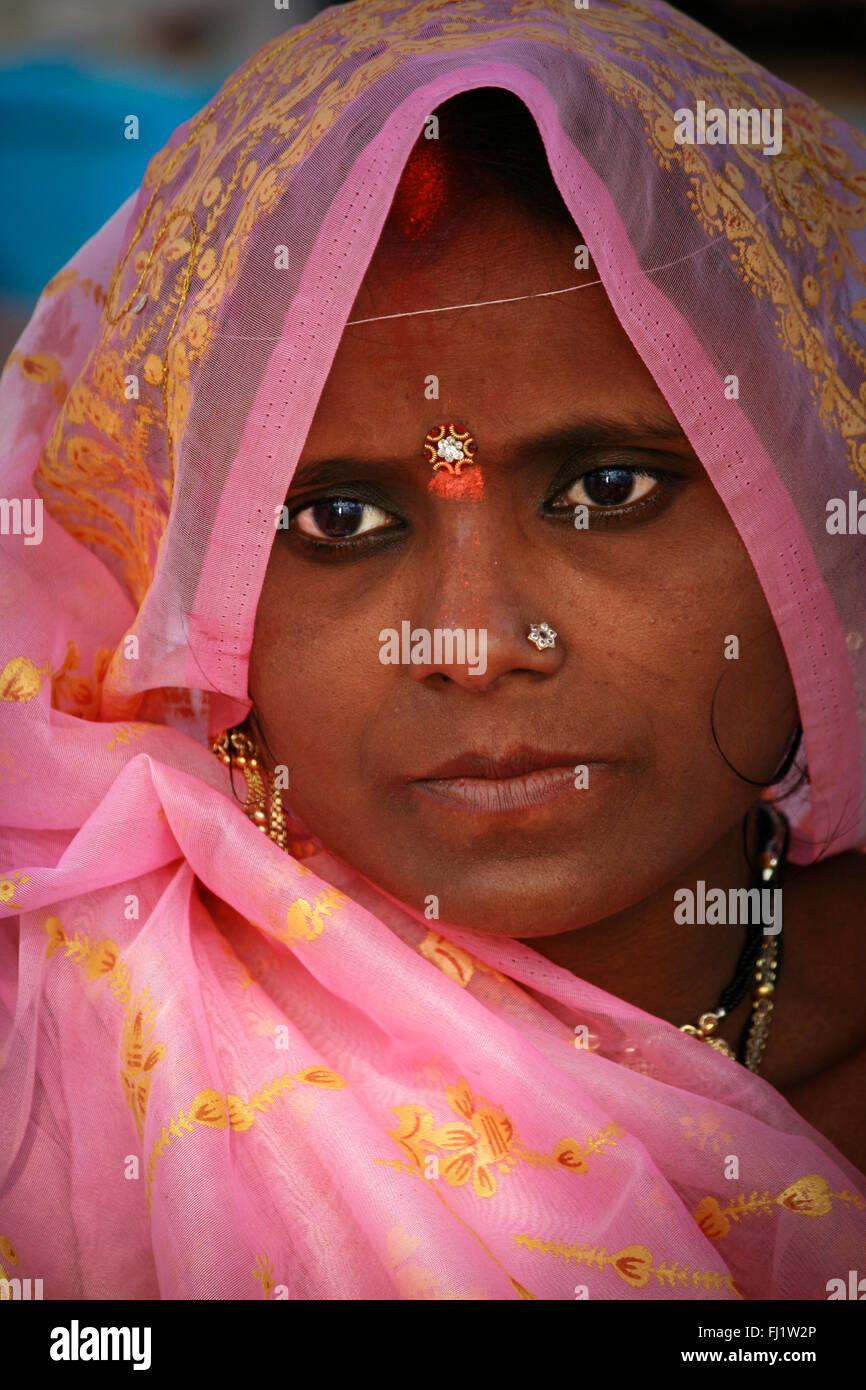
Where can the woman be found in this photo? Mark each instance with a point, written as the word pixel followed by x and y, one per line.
pixel 475 516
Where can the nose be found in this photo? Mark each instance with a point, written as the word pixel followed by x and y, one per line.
pixel 482 608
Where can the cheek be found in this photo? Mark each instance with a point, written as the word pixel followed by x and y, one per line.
pixel 703 645
pixel 312 672
pixel 672 622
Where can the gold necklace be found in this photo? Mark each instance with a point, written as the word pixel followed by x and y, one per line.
pixel 766 966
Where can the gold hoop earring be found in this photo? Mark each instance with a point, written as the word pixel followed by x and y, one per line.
pixel 236 749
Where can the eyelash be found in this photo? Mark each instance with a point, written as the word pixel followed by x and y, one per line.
pixel 369 541
pixel 605 516
pixel 614 516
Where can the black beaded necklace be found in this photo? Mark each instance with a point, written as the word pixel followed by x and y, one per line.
pixel 760 959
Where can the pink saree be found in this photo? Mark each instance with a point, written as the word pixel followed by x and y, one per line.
pixel 289 1086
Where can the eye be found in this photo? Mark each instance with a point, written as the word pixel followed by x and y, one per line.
pixel 609 489
pixel 339 519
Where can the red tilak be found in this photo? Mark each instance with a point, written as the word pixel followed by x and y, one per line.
pixel 421 192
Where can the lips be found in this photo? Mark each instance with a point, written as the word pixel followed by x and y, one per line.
pixel 516 763
pixel 511 782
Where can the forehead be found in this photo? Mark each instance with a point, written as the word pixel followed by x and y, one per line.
pixel 531 358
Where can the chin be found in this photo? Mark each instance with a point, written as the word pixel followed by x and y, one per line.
pixel 526 911
pixel 521 920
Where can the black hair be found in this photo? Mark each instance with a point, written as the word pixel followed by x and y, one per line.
pixel 491 129
pixel 486 147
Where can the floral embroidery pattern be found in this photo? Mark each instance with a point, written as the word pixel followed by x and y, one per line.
pixel 21 681
pixel 264 1271
pixel 79 695
pixel 808 1196
pixel 10 885
pixel 139 1053
pixel 482 1139
pixel 123 733
pixel 41 369
pixel 66 278
pixel 214 1111
pixel 305 921
pixel 705 1132
pixel 97 959
pixel 453 961
pixel 180 273
pixel 7 1250
pixel 633 1264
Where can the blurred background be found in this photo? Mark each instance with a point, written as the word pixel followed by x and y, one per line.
pixel 71 71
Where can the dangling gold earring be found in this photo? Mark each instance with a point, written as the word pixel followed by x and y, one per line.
pixel 237 749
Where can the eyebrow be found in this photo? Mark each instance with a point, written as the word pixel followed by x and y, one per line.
pixel 586 433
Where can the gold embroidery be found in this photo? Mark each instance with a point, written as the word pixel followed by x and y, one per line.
pixel 7 1250
pixel 22 1286
pixel 9 886
pixel 264 1271
pixel 65 279
pixel 808 1196
pixel 21 681
pixel 79 695
pixel 705 1132
pixel 124 733
pixel 174 399
pixel 452 960
pixel 42 370
pixel 305 922
pixel 98 959
pixel 139 1053
pixel 214 1111
pixel 633 1264
pixel 483 1139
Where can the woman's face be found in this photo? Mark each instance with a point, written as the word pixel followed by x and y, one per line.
pixel 645 601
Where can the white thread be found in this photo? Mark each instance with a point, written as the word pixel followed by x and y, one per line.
pixel 444 309
pixel 410 313
pixel 482 303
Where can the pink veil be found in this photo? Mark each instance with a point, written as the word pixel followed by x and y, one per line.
pixel 301 1090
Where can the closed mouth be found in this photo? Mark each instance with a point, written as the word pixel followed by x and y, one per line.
pixel 503 766
pixel 511 782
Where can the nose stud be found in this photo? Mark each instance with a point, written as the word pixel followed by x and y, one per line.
pixel 449 447
pixel 542 635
